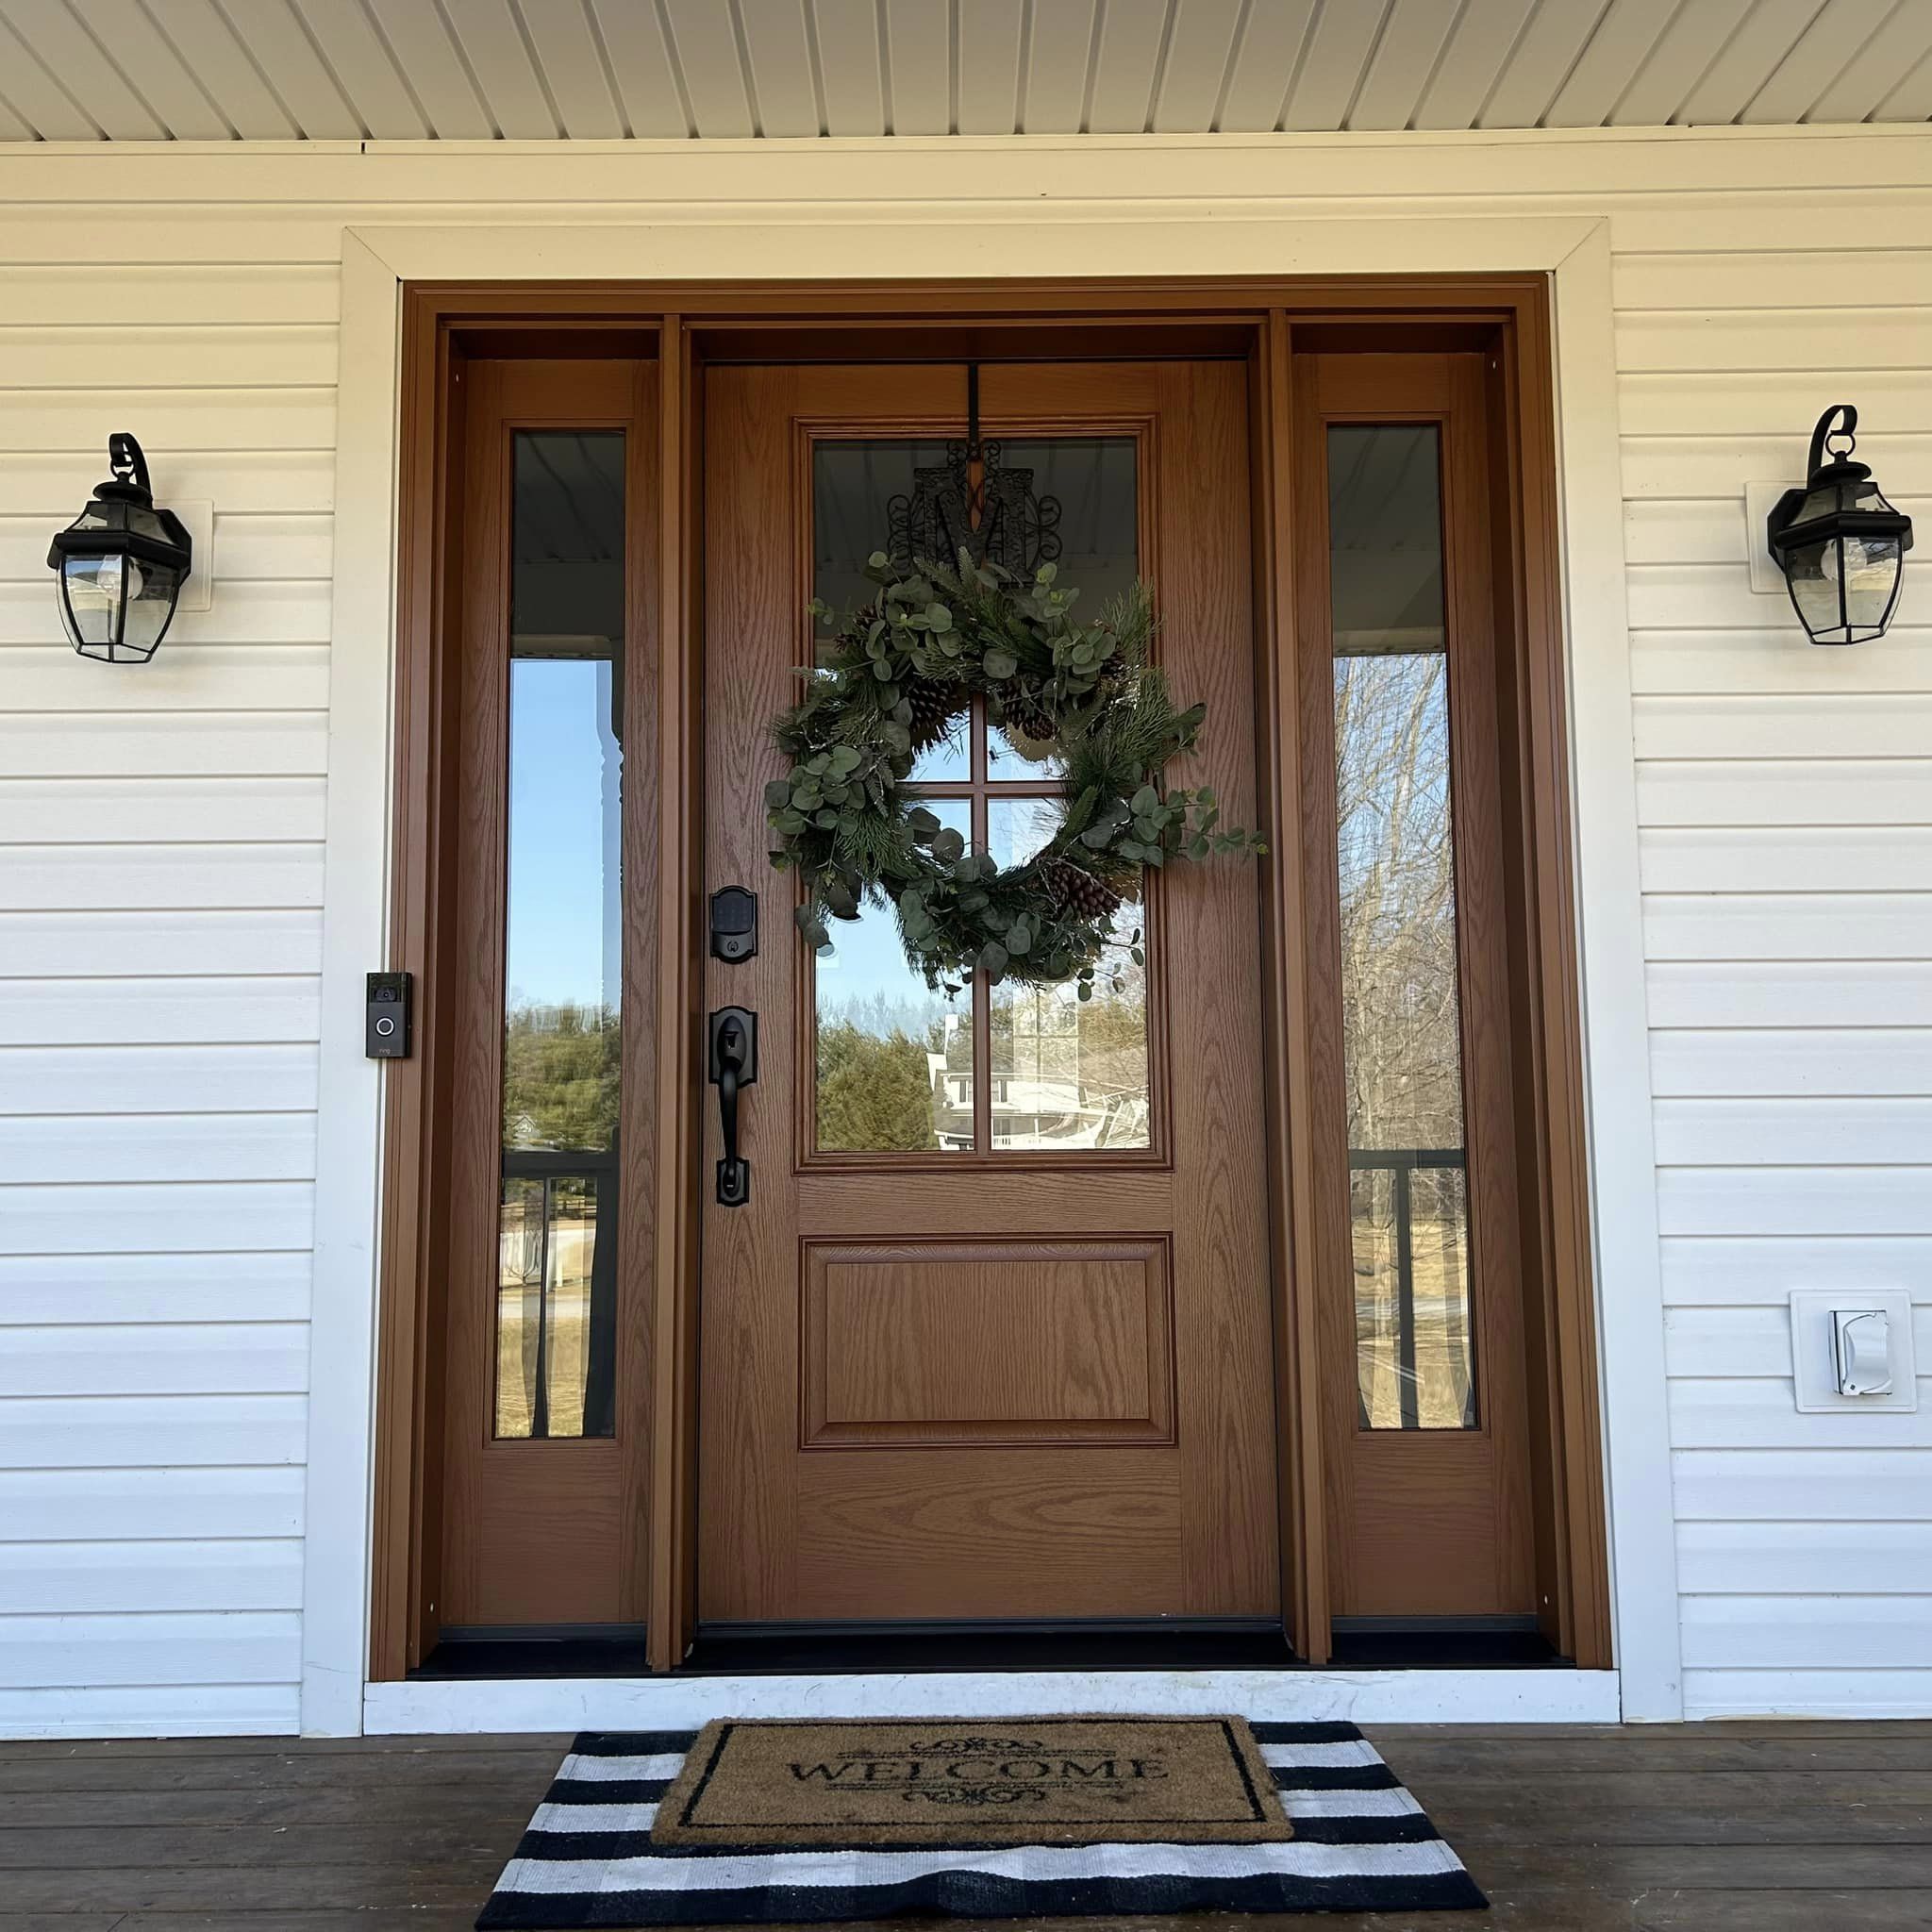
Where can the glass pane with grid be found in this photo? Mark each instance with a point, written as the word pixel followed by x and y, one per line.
pixel 903 1068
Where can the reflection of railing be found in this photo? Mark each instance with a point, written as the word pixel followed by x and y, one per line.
pixel 1400 1165
pixel 600 1368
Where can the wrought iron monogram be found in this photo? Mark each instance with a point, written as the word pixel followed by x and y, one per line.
pixel 972 501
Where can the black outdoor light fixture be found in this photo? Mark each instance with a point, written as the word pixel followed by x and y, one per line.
pixel 122 563
pixel 1840 545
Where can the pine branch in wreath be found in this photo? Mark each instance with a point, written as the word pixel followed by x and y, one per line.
pixel 893 678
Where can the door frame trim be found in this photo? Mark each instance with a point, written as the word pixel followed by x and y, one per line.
pixel 374 291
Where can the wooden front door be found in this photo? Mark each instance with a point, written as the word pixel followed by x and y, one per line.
pixel 990 1338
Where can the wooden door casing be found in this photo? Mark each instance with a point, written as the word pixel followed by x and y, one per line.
pixel 542 1532
pixel 1277 320
pixel 850 1293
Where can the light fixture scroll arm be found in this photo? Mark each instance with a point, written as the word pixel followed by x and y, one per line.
pixel 127 462
pixel 1825 432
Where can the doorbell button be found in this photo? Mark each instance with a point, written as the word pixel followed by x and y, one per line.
pixel 386 1032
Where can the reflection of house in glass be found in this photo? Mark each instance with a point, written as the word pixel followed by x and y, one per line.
pixel 949 1072
pixel 1063 1074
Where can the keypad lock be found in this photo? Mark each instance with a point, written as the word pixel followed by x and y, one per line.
pixel 734 925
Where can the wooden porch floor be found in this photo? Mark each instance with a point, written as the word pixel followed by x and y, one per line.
pixel 1761 1828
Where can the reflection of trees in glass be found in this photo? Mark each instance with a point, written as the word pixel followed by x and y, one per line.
pixel 561 1076
pixel 1401 1024
pixel 876 1089
pixel 1402 1037
pixel 547 1247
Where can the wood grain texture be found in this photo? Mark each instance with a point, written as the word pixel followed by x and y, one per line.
pixel 1203 582
pixel 539 1531
pixel 993 1342
pixel 970 1529
pixel 753 636
pixel 1430 1521
pixel 407 1527
pixel 1287 1019
pixel 994 1535
pixel 671 1526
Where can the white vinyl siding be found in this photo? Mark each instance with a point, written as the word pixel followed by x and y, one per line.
pixel 1785 800
pixel 161 939
pixel 161 855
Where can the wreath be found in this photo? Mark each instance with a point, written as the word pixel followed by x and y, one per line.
pixel 892 681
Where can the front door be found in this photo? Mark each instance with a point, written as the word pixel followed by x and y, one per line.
pixel 990 1338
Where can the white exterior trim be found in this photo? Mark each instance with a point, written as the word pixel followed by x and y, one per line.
pixel 1414 1697
pixel 356 894
pixel 869 238
pixel 1621 1138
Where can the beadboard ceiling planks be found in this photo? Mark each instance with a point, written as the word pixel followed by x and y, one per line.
pixel 346 70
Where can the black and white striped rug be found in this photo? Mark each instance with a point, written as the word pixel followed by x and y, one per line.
pixel 1361 1844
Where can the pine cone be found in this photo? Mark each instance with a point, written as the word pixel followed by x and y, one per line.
pixel 1026 715
pixel 933 704
pixel 1078 890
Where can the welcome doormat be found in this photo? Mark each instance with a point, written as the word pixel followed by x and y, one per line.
pixel 1048 1781
pixel 1360 1844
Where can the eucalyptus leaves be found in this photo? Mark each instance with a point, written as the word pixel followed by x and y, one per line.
pixel 891 680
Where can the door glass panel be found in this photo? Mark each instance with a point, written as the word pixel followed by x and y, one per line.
pixel 1402 1033
pixel 1066 1073
pixel 555 1351
pixel 1095 481
pixel 1017 828
pixel 895 1056
pixel 894 1059
pixel 853 485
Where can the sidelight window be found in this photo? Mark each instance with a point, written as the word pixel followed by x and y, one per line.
pixel 1401 1029
pixel 900 1067
pixel 556 1270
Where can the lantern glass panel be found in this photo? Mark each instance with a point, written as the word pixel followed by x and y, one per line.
pixel 1814 587
pixel 1869 570
pixel 1852 493
pixel 150 605
pixel 1844 588
pixel 92 591
pixel 117 607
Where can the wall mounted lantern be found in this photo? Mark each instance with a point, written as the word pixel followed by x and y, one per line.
pixel 1840 544
pixel 122 563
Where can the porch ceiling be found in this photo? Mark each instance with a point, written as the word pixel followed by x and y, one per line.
pixel 346 70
